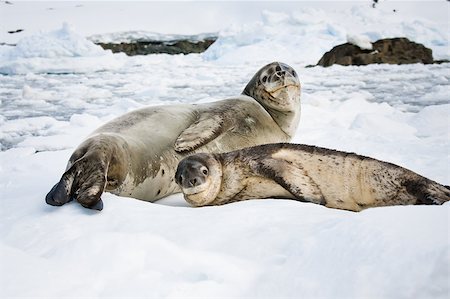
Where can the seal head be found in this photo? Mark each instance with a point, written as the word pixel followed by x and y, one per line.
pixel 276 86
pixel 200 178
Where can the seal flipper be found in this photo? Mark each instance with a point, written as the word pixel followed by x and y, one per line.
pixel 85 181
pixel 62 192
pixel 428 192
pixel 292 178
pixel 90 182
pixel 58 195
pixel 208 127
pixel 97 206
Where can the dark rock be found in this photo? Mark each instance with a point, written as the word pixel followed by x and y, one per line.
pixel 440 61
pixel 157 47
pixel 15 31
pixel 392 51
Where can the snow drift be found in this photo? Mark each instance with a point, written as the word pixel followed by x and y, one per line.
pixel 59 51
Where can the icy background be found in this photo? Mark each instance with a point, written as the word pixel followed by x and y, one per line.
pixel 56 86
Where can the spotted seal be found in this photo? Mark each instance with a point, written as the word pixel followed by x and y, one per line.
pixel 136 154
pixel 323 176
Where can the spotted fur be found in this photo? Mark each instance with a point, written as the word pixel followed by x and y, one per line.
pixel 323 176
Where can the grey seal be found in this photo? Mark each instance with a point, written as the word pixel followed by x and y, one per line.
pixel 323 176
pixel 136 154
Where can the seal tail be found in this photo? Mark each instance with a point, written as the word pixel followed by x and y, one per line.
pixel 429 192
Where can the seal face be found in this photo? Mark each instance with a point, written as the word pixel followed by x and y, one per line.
pixel 136 154
pixel 305 173
pixel 277 87
pixel 199 178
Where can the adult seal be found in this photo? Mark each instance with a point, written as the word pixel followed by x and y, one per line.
pixel 136 155
pixel 306 173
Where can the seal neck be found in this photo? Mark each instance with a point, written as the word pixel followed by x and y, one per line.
pixel 286 120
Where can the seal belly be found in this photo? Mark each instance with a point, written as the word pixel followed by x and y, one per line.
pixel 149 148
pixel 155 186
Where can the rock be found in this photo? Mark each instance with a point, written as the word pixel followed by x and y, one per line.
pixel 15 31
pixel 156 47
pixel 391 50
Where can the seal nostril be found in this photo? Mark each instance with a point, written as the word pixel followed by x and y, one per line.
pixel 193 182
pixel 280 74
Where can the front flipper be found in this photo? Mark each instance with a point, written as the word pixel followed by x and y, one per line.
pixel 59 194
pixel 207 127
pixel 84 181
pixel 293 178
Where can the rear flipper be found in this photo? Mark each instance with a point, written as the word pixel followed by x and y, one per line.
pixel 438 194
pixel 428 192
pixel 84 181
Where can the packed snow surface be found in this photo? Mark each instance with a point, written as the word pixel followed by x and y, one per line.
pixel 52 96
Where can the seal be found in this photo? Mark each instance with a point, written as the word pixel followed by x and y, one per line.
pixel 136 154
pixel 305 173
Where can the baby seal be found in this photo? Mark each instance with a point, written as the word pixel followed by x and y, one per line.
pixel 305 173
pixel 136 154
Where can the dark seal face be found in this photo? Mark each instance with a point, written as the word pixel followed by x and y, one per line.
pixel 275 86
pixel 199 177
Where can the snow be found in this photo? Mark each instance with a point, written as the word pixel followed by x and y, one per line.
pixel 132 36
pixel 59 51
pixel 58 87
pixel 363 42
pixel 312 32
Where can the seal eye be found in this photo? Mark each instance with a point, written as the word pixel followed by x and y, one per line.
pixel 205 171
pixel 278 69
pixel 264 79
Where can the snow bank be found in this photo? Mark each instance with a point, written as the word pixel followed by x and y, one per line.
pixel 60 51
pixel 304 35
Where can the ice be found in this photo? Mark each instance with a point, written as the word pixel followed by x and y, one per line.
pixel 267 248
pixel 64 42
pixel 59 51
